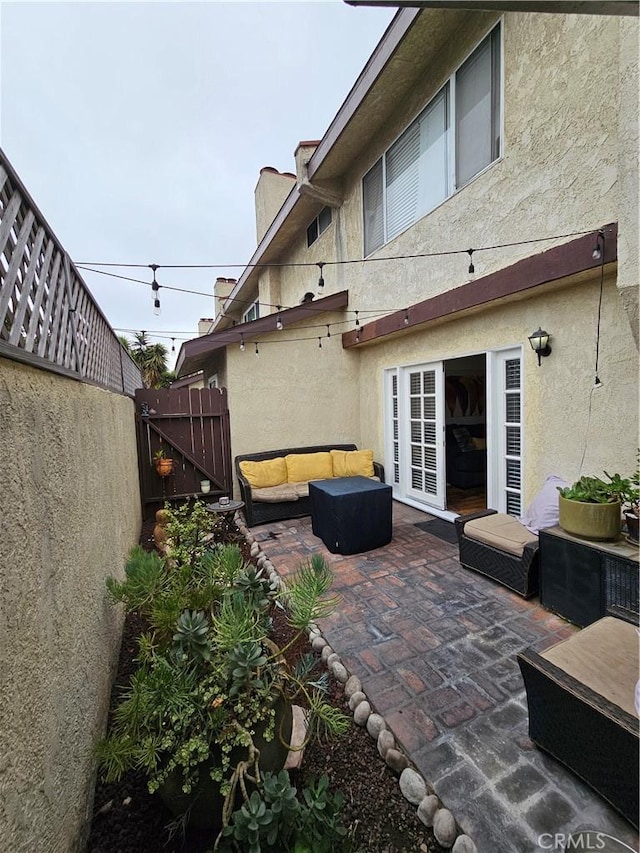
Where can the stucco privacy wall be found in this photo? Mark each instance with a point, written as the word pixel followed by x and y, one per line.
pixel 293 394
pixel 557 395
pixel 69 513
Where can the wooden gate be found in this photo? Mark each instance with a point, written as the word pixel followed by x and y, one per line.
pixel 192 428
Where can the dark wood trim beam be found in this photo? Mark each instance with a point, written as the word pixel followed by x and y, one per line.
pixel 193 353
pixel 560 262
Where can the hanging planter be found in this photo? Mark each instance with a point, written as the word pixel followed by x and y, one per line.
pixel 162 464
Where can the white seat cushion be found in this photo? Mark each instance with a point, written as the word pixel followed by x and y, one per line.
pixel 503 532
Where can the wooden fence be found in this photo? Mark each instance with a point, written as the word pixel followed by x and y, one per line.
pixel 48 317
pixel 192 428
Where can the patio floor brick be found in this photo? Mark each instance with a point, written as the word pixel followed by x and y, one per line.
pixel 434 646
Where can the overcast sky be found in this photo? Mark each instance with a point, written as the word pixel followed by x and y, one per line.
pixel 140 129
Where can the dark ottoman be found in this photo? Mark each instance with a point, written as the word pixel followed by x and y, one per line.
pixel 351 514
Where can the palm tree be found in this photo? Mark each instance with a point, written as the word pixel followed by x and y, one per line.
pixel 151 359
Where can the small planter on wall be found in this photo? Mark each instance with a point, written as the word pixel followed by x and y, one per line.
pixel 163 465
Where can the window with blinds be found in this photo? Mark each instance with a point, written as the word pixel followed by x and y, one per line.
pixel 414 175
pixel 513 434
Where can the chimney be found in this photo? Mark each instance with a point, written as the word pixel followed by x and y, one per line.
pixel 221 291
pixel 204 325
pixel 271 190
pixel 303 154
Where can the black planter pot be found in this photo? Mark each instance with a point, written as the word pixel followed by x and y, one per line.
pixel 633 522
pixel 204 803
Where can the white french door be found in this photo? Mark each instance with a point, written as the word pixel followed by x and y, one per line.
pixel 414 398
pixel 505 407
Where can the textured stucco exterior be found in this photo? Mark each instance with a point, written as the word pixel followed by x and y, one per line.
pixel 70 512
pixel 569 165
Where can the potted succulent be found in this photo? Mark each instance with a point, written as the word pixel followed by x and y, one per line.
pixel 162 463
pixel 592 507
pixel 208 711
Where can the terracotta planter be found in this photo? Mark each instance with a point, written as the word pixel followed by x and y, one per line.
pixel 598 522
pixel 163 467
pixel 205 801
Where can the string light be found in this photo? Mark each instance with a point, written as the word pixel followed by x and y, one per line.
pixel 319 343
pixel 241 343
pixel 406 317
pixel 279 319
pixel 155 288
pixel 328 330
pixel 597 249
pixel 257 352
pixel 357 321
pixel 321 279
pixel 173 344
pixel 472 269
pixel 358 336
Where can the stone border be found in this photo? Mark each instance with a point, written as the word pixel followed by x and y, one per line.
pixel 414 788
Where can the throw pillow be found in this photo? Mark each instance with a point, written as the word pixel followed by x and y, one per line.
pixel 263 475
pixel 302 467
pixel 463 439
pixel 479 443
pixel 352 463
pixel 543 511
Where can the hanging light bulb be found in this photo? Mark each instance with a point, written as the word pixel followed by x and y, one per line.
pixel 156 307
pixel 358 336
pixel 173 344
pixel 328 331
pixel 357 321
pixel 279 319
pixel 406 317
pixel 319 343
pixel 241 343
pixel 597 249
pixel 257 353
pixel 321 279
pixel 472 269
pixel 155 287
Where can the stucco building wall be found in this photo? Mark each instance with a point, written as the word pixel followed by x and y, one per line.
pixel 563 417
pixel 69 513
pixel 293 394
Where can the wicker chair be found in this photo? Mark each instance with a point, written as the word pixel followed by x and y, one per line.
pixel 578 717
pixel 517 572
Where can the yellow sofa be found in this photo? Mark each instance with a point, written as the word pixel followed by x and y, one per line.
pixel 274 484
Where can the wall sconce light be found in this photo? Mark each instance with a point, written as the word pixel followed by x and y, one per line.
pixel 539 341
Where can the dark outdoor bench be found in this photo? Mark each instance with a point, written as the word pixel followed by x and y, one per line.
pixel 257 512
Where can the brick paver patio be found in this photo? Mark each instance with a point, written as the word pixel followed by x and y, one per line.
pixel 434 646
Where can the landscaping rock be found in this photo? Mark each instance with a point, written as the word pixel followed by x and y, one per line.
pixel 326 651
pixel 334 658
pixel 355 700
pixel 255 549
pixel 375 724
pixel 340 672
pixel 428 808
pixel 362 713
pixel 412 785
pixel 396 761
pixel 464 845
pixel 352 686
pixel 386 741
pixel 444 828
pixel 318 643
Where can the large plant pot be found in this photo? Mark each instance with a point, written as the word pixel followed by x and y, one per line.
pixel 633 523
pixel 598 522
pixel 205 802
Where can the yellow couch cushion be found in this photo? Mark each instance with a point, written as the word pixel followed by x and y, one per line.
pixel 263 475
pixel 302 467
pixel 352 463
pixel 503 532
